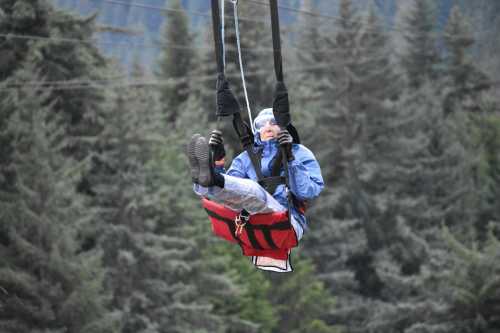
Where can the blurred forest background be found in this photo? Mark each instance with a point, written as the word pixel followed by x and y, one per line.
pixel 100 230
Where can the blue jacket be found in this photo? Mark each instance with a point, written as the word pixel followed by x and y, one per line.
pixel 305 179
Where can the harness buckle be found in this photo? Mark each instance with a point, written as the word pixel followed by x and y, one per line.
pixel 240 221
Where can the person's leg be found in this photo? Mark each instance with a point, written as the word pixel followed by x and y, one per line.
pixel 240 193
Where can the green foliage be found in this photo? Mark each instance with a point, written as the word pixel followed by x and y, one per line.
pixel 420 56
pixel 249 295
pixel 47 284
pixel 473 287
pixel 464 82
pixel 301 300
pixel 175 63
pixel 273 302
pixel 489 173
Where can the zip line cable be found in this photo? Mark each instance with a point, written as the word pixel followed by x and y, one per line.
pixel 62 82
pixel 173 10
pixel 105 84
pixel 293 9
pixel 99 85
pixel 128 44
pixel 177 46
pixel 341 19
pixel 123 44
pixel 113 83
pixel 134 46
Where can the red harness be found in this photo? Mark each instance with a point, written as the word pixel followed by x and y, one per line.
pixel 270 235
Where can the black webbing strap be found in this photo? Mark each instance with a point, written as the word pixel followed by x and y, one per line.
pixel 246 138
pixel 216 25
pixel 269 239
pixel 275 26
pixel 272 182
pixel 281 107
pixel 251 237
pixel 227 104
pixel 256 164
pixel 280 104
pixel 228 222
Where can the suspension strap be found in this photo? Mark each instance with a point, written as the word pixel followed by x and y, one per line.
pixel 275 26
pixel 281 105
pixel 216 25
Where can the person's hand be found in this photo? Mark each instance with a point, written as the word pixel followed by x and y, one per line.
pixel 285 140
pixel 216 142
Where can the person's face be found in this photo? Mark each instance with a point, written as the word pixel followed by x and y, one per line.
pixel 269 130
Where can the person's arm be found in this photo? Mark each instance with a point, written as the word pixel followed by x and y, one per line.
pixel 306 181
pixel 237 168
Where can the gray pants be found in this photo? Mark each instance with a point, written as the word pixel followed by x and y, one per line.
pixel 242 193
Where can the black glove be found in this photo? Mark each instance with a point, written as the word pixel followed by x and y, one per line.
pixel 227 104
pixel 285 140
pixel 216 142
pixel 281 106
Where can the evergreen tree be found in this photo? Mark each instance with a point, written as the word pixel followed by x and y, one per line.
pixel 30 18
pixel 146 219
pixel 420 56
pixel 472 287
pixel 484 16
pixel 302 309
pixel 60 63
pixel 176 62
pixel 63 61
pixel 205 67
pixel 464 81
pixel 47 284
pixel 331 127
pixel 313 81
pixel 18 18
pixel 489 176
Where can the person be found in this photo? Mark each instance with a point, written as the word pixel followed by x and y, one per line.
pixel 238 188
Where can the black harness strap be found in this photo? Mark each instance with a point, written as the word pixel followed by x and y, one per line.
pixel 275 26
pixel 269 239
pixel 216 24
pixel 271 183
pixel 251 237
pixel 228 222
pixel 281 105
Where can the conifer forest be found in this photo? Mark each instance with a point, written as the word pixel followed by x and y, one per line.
pixel 101 232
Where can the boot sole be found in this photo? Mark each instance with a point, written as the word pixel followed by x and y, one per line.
pixel 202 152
pixel 191 155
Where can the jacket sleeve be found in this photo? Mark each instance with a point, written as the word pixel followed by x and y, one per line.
pixel 237 168
pixel 306 181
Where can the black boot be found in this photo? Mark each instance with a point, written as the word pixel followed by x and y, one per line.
pixel 194 166
pixel 202 153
